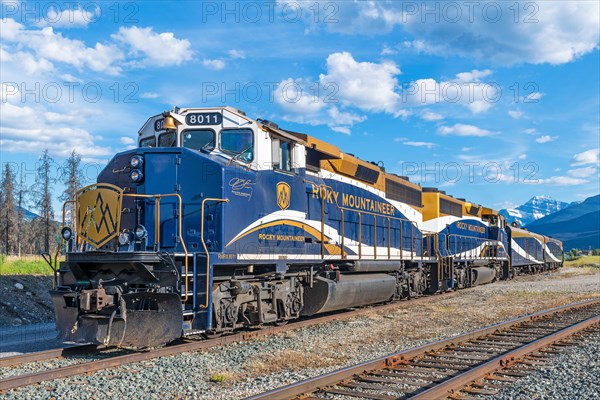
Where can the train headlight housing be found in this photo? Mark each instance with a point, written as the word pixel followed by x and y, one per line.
pixel 136 175
pixel 140 232
pixel 124 238
pixel 136 161
pixel 66 233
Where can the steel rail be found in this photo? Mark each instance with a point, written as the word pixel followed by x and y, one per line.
pixel 314 384
pixel 446 388
pixel 93 366
pixel 45 355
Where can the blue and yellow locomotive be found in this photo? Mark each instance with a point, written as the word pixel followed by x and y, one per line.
pixel 218 221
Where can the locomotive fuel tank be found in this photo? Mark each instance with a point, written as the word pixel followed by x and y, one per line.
pixel 483 275
pixel 348 291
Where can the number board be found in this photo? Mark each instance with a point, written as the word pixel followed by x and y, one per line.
pixel 204 119
pixel 158 124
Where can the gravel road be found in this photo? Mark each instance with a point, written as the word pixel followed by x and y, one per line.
pixel 242 369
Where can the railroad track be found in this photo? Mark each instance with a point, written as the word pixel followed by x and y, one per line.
pixel 473 364
pixel 107 361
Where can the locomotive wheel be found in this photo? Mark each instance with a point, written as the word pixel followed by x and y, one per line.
pixel 212 334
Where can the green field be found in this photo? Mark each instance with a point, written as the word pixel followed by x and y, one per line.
pixel 584 261
pixel 25 265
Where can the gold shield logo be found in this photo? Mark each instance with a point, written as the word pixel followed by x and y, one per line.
pixel 283 195
pixel 98 213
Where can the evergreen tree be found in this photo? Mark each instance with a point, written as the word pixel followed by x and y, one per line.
pixel 20 197
pixel 43 202
pixel 73 181
pixel 8 211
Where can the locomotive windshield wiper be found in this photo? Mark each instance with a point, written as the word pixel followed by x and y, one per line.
pixel 208 146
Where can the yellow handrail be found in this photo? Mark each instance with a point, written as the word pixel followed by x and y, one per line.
pixel 217 200
pixel 320 187
pixel 157 197
pixel 62 240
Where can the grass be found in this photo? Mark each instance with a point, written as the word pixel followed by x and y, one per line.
pixel 584 261
pixel 221 377
pixel 24 265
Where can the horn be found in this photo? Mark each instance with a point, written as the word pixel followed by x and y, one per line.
pixel 169 124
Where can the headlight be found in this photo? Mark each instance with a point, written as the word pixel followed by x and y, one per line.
pixel 140 232
pixel 136 175
pixel 124 238
pixel 66 233
pixel 136 161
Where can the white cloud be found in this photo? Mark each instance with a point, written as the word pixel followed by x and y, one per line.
pixel 431 116
pixel 429 145
pixel 546 139
pixel 53 46
pixel 365 85
pixel 70 17
pixel 514 114
pixel 522 157
pixel 550 32
pixel 127 140
pixel 562 181
pixel 33 66
pixel 464 130
pixel 583 172
pixel 297 97
pixel 466 149
pixel 159 49
pixel 530 131
pixel 465 89
pixel 216 64
pixel 533 97
pixel 591 156
pixel 149 95
pixel 235 54
pixel 387 51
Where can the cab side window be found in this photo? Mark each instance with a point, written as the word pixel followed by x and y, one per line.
pixel 282 155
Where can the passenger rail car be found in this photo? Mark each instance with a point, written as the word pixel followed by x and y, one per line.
pixel 218 221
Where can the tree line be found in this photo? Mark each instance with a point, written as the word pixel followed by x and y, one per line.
pixel 18 235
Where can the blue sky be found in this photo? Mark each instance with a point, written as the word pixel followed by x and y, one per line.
pixel 495 102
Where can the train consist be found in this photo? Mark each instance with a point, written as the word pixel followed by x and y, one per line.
pixel 218 221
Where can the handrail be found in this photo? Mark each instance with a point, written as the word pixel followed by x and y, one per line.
pixel 157 197
pixel 62 240
pixel 320 187
pixel 217 200
pixel 471 239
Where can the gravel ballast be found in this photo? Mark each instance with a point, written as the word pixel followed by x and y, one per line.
pixel 242 369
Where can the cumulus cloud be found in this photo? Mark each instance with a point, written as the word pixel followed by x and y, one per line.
pixel 48 45
pixel 431 116
pixel 591 156
pixel 365 85
pixel 515 114
pixel 216 64
pixel 235 54
pixel 160 49
pixel 550 32
pixel 464 130
pixel 583 172
pixel 466 89
pixel 546 139
pixel 70 17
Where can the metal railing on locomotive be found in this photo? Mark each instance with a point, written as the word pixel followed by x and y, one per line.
pixel 62 239
pixel 466 247
pixel 323 192
pixel 205 247
pixel 157 197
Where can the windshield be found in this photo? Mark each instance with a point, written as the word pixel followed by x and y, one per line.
pixel 203 139
pixel 148 142
pixel 168 139
pixel 238 142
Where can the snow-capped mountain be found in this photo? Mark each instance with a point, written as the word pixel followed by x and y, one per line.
pixel 537 207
